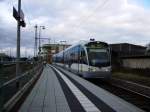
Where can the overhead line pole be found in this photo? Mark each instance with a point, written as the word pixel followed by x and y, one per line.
pixel 39 40
pixel 35 49
pixel 40 28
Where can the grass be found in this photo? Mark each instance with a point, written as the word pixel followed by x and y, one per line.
pixel 143 80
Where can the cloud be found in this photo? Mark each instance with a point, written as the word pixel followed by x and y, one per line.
pixel 104 20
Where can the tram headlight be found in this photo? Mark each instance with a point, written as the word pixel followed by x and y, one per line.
pixel 92 69
pixel 106 69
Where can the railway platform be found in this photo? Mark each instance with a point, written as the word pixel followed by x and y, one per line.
pixel 58 90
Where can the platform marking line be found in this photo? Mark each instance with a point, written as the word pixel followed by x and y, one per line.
pixel 84 101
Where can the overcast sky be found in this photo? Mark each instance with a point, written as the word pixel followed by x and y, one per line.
pixel 112 21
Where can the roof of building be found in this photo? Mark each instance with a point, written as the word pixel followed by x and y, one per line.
pixel 47 45
pixel 136 57
pixel 127 44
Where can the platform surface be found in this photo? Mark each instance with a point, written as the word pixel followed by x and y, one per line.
pixel 46 96
pixel 62 91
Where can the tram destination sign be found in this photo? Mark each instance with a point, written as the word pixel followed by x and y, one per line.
pixel 96 45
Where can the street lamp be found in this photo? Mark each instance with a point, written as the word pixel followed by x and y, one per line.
pixel 41 28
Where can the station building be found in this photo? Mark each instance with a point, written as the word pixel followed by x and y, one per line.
pixel 130 56
pixel 126 49
pixel 49 49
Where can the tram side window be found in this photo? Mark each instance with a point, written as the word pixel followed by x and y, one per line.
pixel 83 56
pixel 72 55
pixel 65 57
pixel 77 54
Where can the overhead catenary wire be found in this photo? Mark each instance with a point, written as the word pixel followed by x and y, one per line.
pixel 80 23
pixel 100 5
pixel 86 18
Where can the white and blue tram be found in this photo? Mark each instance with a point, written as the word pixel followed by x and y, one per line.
pixel 90 59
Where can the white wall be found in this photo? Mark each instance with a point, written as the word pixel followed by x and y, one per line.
pixel 136 63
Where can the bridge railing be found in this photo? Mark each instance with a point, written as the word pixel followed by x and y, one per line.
pixel 10 88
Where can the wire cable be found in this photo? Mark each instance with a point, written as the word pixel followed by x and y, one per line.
pixel 99 6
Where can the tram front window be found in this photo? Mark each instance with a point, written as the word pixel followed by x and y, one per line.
pixel 98 57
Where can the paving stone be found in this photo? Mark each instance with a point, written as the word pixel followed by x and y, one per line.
pixel 46 96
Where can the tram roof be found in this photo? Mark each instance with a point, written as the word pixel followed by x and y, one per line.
pixel 82 43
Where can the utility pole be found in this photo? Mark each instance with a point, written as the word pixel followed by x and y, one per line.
pixel 39 40
pixel 18 41
pixel 35 47
pixel 43 27
pixel 10 52
pixel 19 16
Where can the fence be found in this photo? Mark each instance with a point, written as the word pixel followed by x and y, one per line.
pixel 10 88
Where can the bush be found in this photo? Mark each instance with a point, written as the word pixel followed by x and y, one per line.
pixel 141 72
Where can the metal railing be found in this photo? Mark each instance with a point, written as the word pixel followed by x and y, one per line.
pixel 10 88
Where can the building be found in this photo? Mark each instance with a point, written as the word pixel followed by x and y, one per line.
pixel 126 49
pixel 136 62
pixel 121 50
pixel 48 50
pixel 4 57
pixel 148 49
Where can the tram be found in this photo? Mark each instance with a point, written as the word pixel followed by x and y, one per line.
pixel 89 59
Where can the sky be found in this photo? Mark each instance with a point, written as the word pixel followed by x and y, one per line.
pixel 112 21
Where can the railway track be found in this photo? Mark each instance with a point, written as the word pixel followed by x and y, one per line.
pixel 138 99
pixel 134 97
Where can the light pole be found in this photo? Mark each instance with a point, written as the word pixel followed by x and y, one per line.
pixel 35 46
pixel 41 27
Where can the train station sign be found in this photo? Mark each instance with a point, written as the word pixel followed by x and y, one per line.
pixel 19 17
